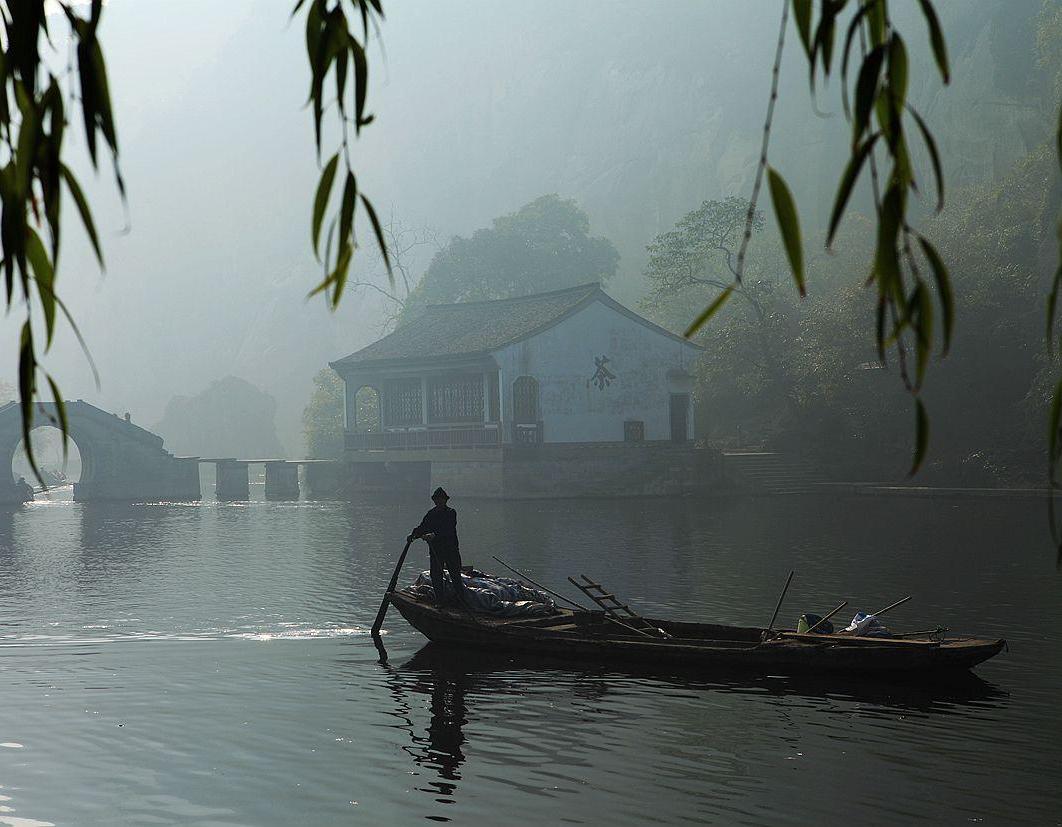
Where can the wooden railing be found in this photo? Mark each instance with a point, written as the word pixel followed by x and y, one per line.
pixel 424 439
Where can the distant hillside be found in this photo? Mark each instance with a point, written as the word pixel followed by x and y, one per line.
pixel 231 418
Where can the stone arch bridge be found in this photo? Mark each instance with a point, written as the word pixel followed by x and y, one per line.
pixel 119 460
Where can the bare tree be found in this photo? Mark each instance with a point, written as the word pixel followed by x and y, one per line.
pixel 404 244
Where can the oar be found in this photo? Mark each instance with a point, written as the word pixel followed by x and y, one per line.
pixel 892 606
pixel 390 590
pixel 781 597
pixel 824 619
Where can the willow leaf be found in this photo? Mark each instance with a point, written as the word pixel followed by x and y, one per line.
pixel 377 230
pixel 945 292
pixel 848 179
pixel 936 39
pixel 789 224
pixel 83 210
pixel 934 155
pixel 921 437
pixel 320 200
pixel 709 311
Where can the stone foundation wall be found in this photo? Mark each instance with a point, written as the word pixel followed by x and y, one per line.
pixel 544 471
pixel 598 471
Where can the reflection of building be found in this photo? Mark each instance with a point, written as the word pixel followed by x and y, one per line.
pixel 506 394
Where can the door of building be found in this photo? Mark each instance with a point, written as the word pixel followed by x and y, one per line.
pixel 680 412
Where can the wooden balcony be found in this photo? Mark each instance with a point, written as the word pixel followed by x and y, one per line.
pixel 422 439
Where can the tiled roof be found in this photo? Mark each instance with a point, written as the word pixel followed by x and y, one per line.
pixel 471 328
pixel 476 328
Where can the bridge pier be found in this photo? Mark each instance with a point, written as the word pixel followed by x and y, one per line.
pixel 232 481
pixel 281 480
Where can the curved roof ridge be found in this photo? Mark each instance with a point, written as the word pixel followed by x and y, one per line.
pixel 589 287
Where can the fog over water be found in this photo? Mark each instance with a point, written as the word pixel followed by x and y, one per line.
pixel 481 106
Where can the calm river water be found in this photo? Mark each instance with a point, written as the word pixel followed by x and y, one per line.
pixel 208 664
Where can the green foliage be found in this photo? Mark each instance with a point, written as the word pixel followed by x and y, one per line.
pixel 875 111
pixel 333 49
pixel 322 418
pixel 545 245
pixel 33 121
pixel 801 375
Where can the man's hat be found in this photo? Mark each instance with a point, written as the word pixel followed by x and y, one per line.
pixel 439 493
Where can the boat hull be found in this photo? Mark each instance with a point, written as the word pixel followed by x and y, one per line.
pixel 741 648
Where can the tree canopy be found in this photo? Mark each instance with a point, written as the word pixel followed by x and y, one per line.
pixel 544 245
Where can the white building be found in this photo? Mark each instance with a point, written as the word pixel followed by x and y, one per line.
pixel 570 367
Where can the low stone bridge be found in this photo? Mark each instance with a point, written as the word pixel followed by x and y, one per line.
pixel 119 460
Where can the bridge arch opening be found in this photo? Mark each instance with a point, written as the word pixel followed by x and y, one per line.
pixel 56 470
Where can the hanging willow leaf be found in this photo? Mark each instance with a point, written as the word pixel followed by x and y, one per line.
pixel 934 155
pixel 320 200
pixel 853 27
pixel 848 179
pixel 802 16
pixel 44 275
pixel 27 390
pixel 60 411
pixel 378 232
pixel 866 91
pixel 921 437
pixel 897 70
pixel 789 224
pixel 709 311
pixel 936 39
pixel 346 210
pixel 944 289
pixel 921 313
pixel 83 209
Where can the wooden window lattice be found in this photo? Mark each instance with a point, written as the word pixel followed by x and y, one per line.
pixel 403 402
pixel 459 399
pixel 634 430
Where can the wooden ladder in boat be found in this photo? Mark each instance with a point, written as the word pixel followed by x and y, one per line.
pixel 612 607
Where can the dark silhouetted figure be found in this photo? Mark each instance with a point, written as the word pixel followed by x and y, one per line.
pixel 25 490
pixel 439 528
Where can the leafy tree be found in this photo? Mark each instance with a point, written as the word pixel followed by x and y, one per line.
pixel 322 419
pixel 545 245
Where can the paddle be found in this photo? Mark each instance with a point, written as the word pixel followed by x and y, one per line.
pixel 781 597
pixel 390 590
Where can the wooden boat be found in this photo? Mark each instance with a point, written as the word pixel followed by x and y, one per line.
pixel 589 636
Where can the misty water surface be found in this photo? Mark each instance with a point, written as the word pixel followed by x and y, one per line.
pixel 208 664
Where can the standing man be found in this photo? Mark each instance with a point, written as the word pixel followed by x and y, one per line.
pixel 439 528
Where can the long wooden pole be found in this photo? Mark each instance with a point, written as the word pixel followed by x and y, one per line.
pixel 892 606
pixel 390 590
pixel 570 602
pixel 781 597
pixel 539 585
pixel 824 619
